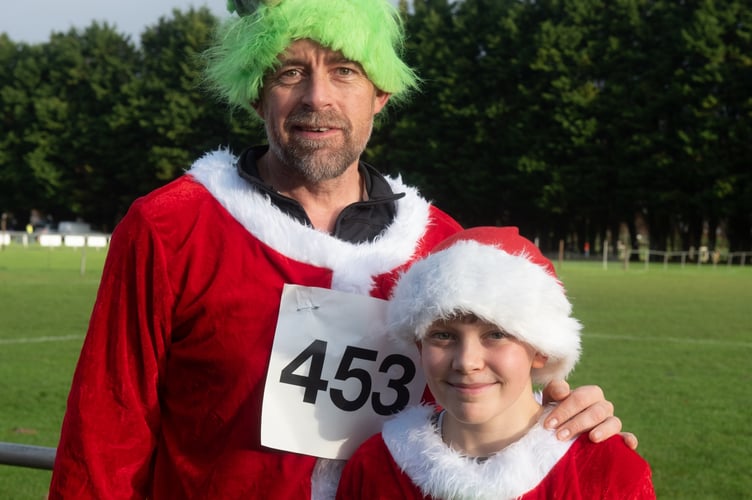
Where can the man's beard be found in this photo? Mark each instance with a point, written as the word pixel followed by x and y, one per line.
pixel 306 157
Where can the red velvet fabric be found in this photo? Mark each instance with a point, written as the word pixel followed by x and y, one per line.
pixel 166 398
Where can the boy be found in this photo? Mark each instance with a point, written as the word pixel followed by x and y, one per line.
pixel 490 319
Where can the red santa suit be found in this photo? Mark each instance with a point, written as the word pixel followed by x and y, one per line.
pixel 166 399
pixel 409 460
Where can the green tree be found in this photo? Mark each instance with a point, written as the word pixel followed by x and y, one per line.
pixel 440 140
pixel 20 186
pixel 70 86
pixel 568 117
pixel 563 117
pixel 167 112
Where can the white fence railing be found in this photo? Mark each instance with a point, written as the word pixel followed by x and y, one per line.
pixel 52 240
pixel 96 241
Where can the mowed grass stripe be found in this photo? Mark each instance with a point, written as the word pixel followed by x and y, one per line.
pixel 36 340
pixel 699 342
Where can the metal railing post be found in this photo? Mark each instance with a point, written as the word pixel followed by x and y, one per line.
pixel 25 455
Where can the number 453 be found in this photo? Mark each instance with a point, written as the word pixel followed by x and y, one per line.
pixel 313 382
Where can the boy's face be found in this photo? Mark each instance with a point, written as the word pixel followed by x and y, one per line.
pixel 477 372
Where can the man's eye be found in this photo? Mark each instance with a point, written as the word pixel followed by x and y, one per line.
pixel 289 75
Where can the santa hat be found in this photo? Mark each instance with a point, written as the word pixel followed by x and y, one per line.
pixel 500 277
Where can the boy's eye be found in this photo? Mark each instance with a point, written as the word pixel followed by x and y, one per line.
pixel 439 336
pixel 497 335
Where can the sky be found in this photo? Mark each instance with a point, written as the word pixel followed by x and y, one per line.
pixel 32 21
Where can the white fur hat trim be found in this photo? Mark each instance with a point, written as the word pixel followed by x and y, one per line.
pixel 509 284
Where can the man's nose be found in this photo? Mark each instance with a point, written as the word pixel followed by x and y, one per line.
pixel 319 91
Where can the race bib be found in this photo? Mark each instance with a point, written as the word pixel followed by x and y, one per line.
pixel 334 375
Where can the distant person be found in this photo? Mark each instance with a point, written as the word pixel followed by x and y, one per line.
pixel 490 319
pixel 166 400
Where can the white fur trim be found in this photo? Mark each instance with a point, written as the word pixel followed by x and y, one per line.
pixel 325 478
pixel 507 290
pixel 442 472
pixel 354 265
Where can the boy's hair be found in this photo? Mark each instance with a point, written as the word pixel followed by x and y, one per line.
pixel 500 277
pixel 246 48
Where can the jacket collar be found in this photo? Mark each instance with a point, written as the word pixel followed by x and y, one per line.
pixel 442 472
pixel 358 222
pixel 354 265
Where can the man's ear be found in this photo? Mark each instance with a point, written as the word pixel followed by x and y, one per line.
pixel 258 106
pixel 381 99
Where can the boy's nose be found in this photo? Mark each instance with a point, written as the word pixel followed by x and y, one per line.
pixel 468 357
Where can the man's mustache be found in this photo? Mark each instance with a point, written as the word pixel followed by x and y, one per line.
pixel 317 119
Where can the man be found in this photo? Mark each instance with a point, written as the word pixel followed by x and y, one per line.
pixel 166 401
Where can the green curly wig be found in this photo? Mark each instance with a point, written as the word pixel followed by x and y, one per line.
pixel 245 48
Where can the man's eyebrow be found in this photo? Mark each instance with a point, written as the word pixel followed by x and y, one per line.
pixel 331 59
pixel 291 62
pixel 339 58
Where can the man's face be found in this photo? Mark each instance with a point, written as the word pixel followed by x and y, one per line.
pixel 318 109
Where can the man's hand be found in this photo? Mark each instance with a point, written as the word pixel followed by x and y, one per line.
pixel 583 409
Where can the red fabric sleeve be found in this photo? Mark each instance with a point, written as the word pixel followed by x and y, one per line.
pixel 605 471
pixel 110 428
pixel 611 470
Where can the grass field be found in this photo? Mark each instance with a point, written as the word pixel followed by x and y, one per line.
pixel 45 303
pixel 670 347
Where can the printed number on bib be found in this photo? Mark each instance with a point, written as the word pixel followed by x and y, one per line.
pixel 313 382
pixel 334 375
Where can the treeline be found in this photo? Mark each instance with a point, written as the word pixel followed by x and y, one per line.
pixel 567 118
pixel 92 119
